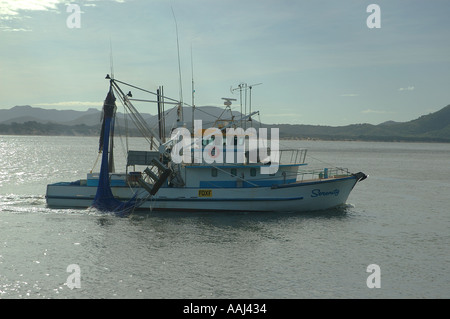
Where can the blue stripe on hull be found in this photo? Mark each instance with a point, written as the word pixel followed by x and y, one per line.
pixel 323 181
pixel 190 199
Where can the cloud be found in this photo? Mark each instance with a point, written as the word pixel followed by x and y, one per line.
pixel 281 118
pixel 71 103
pixel 376 111
pixel 11 12
pixel 349 95
pixel 409 88
pixel 12 7
pixel 284 114
pixel 15 29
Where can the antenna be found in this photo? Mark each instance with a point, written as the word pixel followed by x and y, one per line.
pixel 193 90
pixel 180 107
pixel 250 110
pixel 227 101
pixel 111 62
pixel 227 104
pixel 240 87
pixel 245 87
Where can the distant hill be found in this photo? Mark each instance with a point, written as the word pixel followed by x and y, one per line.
pixel 389 123
pixel 434 127
pixel 91 117
pixel 40 115
pixel 27 120
pixel 12 121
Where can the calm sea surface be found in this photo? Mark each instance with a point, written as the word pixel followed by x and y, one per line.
pixel 398 219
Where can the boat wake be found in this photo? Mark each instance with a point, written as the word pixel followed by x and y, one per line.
pixel 20 203
pixel 17 203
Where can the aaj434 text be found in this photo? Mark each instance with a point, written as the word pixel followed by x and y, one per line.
pixel 242 309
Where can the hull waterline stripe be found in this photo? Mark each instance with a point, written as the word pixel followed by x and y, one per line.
pixel 182 199
pixel 299 184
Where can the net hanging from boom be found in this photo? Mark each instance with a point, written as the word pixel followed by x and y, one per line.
pixel 104 199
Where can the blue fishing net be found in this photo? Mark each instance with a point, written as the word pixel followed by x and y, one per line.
pixel 104 199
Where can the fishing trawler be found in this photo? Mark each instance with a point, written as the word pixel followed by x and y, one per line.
pixel 223 168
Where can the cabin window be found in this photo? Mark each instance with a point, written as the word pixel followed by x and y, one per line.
pixel 253 171
pixel 214 172
pixel 233 172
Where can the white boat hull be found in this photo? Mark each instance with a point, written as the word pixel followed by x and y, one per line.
pixel 297 197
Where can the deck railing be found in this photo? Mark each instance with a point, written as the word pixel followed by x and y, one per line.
pixel 335 172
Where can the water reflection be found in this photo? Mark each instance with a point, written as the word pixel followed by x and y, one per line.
pixel 239 217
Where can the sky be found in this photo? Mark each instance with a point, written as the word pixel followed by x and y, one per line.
pixel 319 62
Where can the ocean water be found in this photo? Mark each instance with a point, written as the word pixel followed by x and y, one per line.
pixel 397 219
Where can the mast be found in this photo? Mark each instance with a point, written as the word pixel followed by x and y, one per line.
pixel 163 116
pixel 180 106
pixel 250 103
pixel 240 99
pixel 111 166
pixel 109 113
pixel 193 91
pixel 159 114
